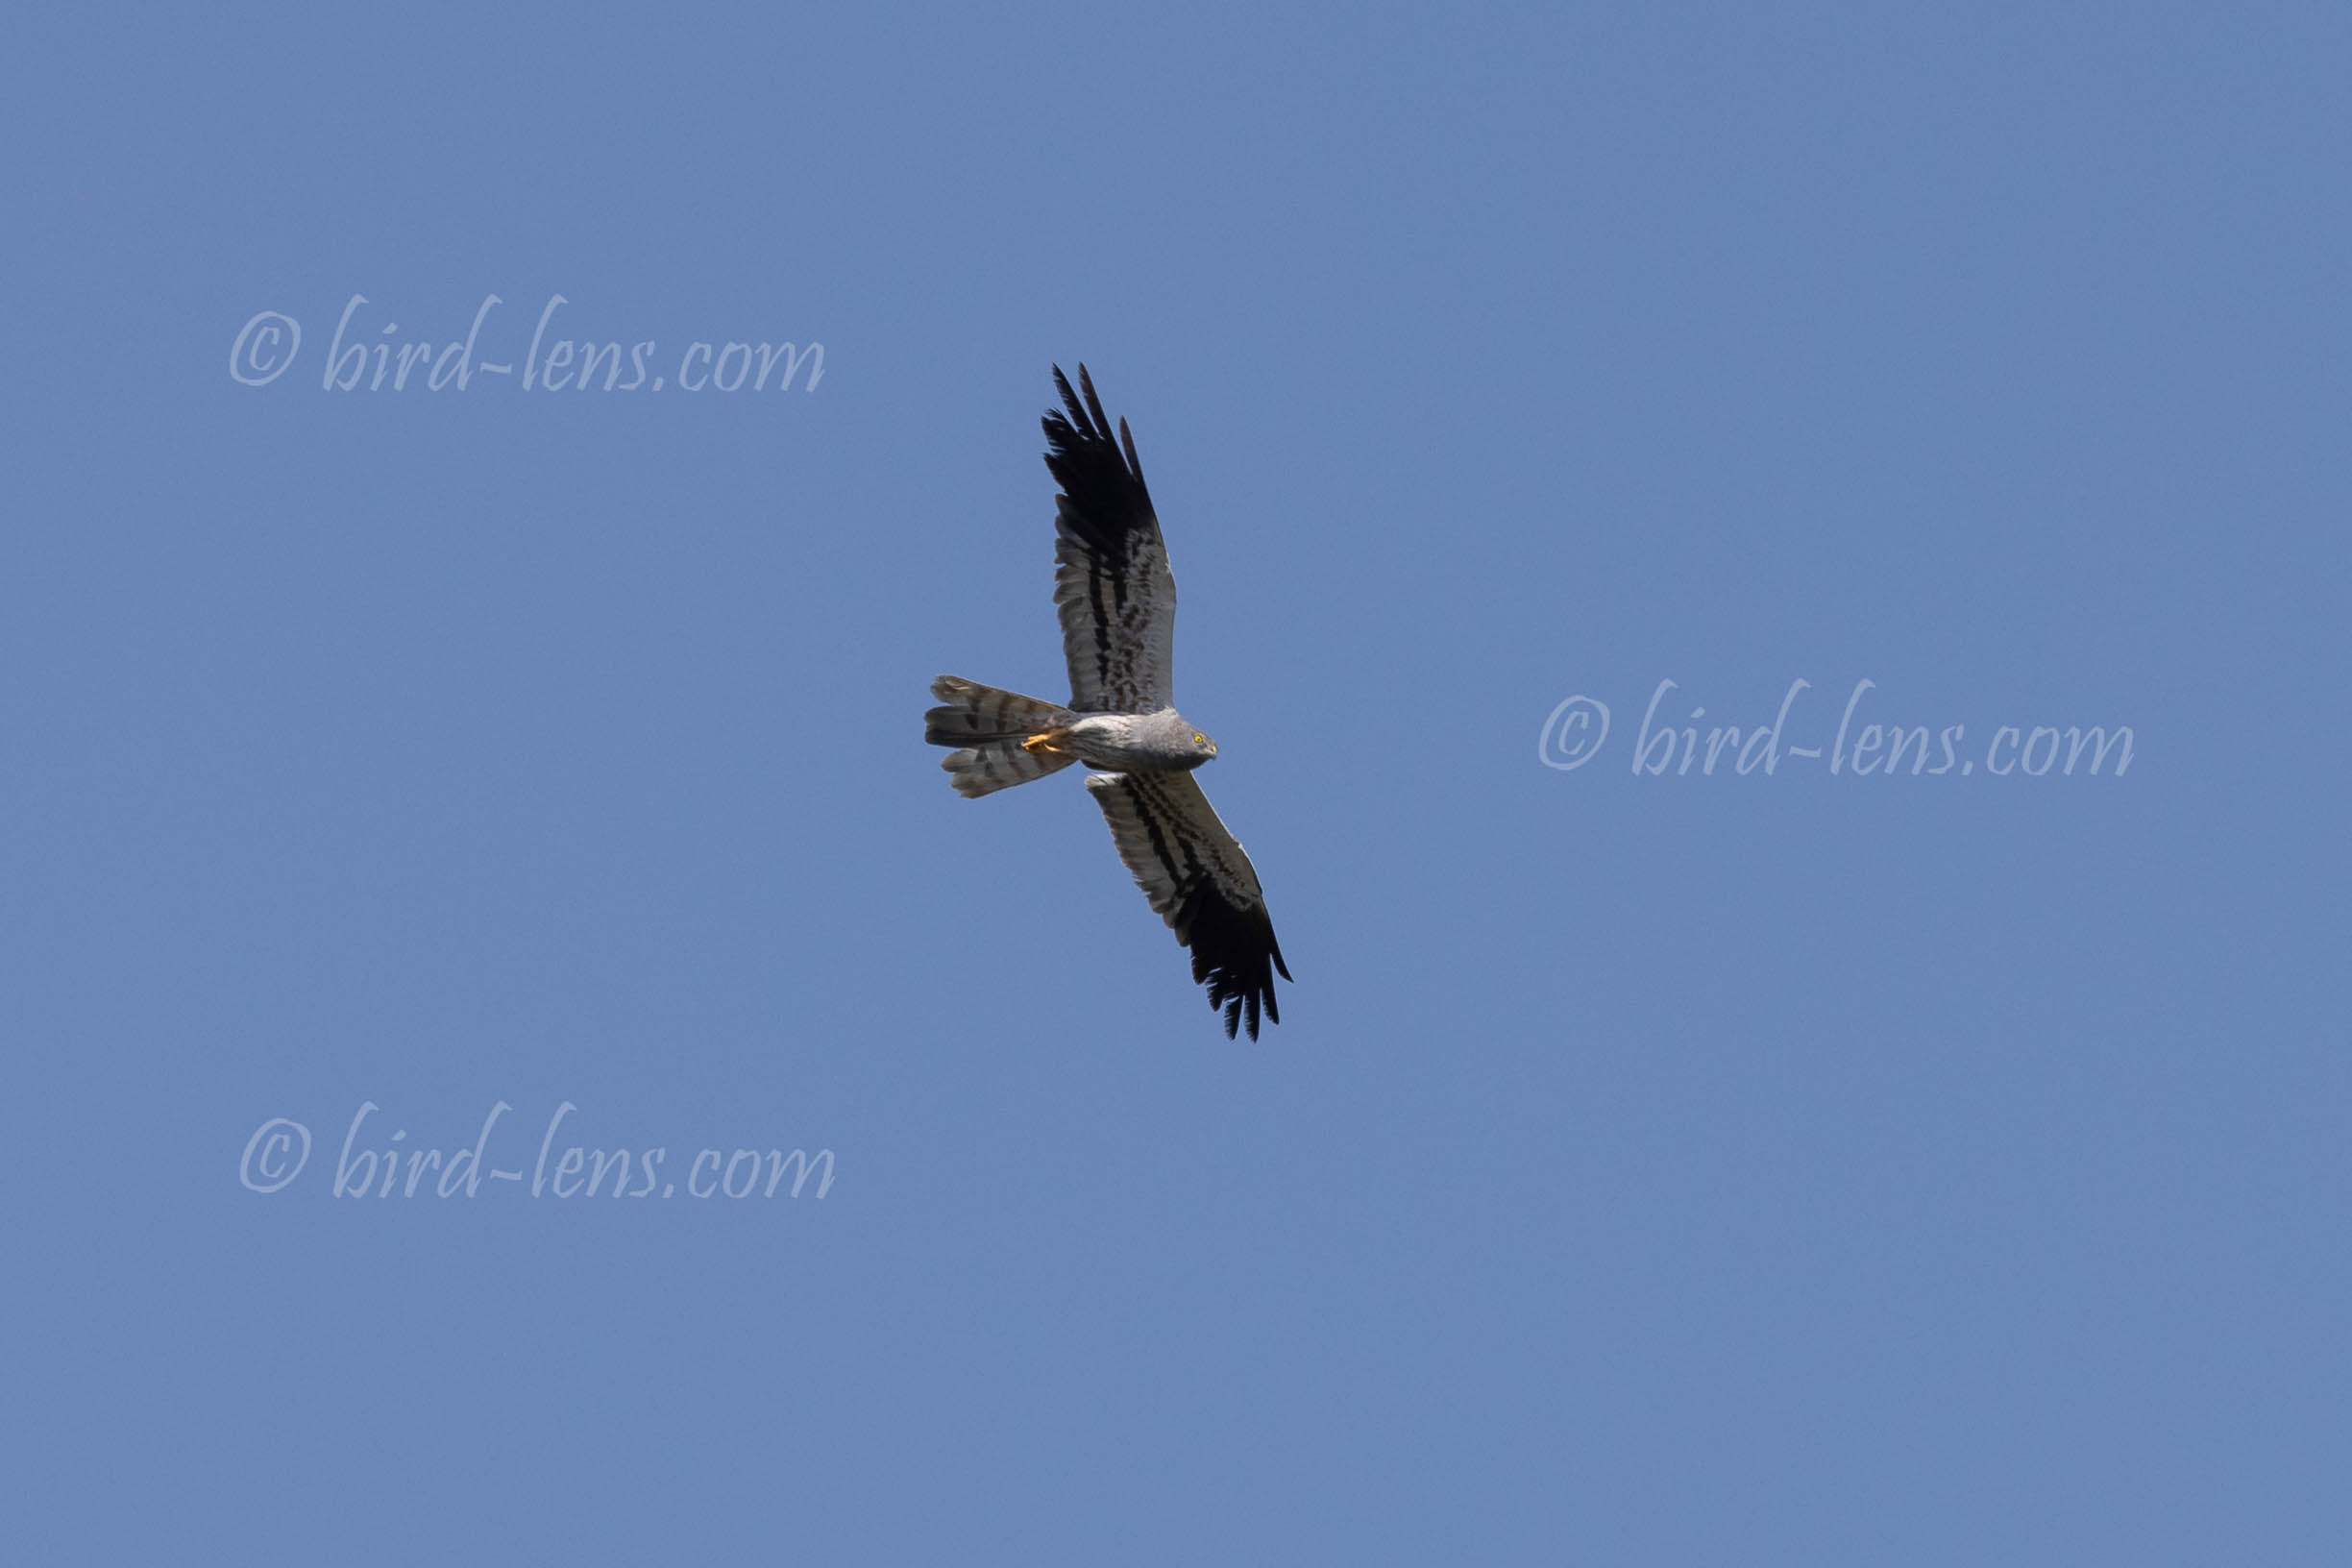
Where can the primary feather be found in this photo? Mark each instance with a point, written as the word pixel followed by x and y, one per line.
pixel 1117 600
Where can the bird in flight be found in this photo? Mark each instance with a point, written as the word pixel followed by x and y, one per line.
pixel 1117 603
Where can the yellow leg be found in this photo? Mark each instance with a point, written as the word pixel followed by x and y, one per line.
pixel 1049 742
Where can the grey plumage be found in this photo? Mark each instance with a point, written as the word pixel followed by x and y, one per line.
pixel 989 727
pixel 1117 600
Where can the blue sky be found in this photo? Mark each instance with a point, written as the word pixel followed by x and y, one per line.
pixel 1770 1168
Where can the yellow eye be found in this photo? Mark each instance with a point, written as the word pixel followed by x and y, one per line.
pixel 1198 738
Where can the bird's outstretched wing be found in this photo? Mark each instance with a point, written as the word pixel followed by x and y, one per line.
pixel 1111 584
pixel 1200 882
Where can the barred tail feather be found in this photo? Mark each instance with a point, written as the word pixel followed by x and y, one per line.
pixel 990 727
pixel 970 713
pixel 998 765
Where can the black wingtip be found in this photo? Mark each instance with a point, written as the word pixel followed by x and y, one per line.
pixel 1069 400
pixel 1102 421
pixel 1134 464
pixel 1103 497
pixel 1235 955
pixel 1081 412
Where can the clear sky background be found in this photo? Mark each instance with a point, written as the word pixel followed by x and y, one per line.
pixel 1793 1167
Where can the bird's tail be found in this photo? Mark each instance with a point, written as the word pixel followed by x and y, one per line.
pixel 1003 738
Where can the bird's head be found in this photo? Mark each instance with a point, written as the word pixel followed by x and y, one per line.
pixel 1175 745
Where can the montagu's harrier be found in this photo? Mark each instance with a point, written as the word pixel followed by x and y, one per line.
pixel 1118 617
